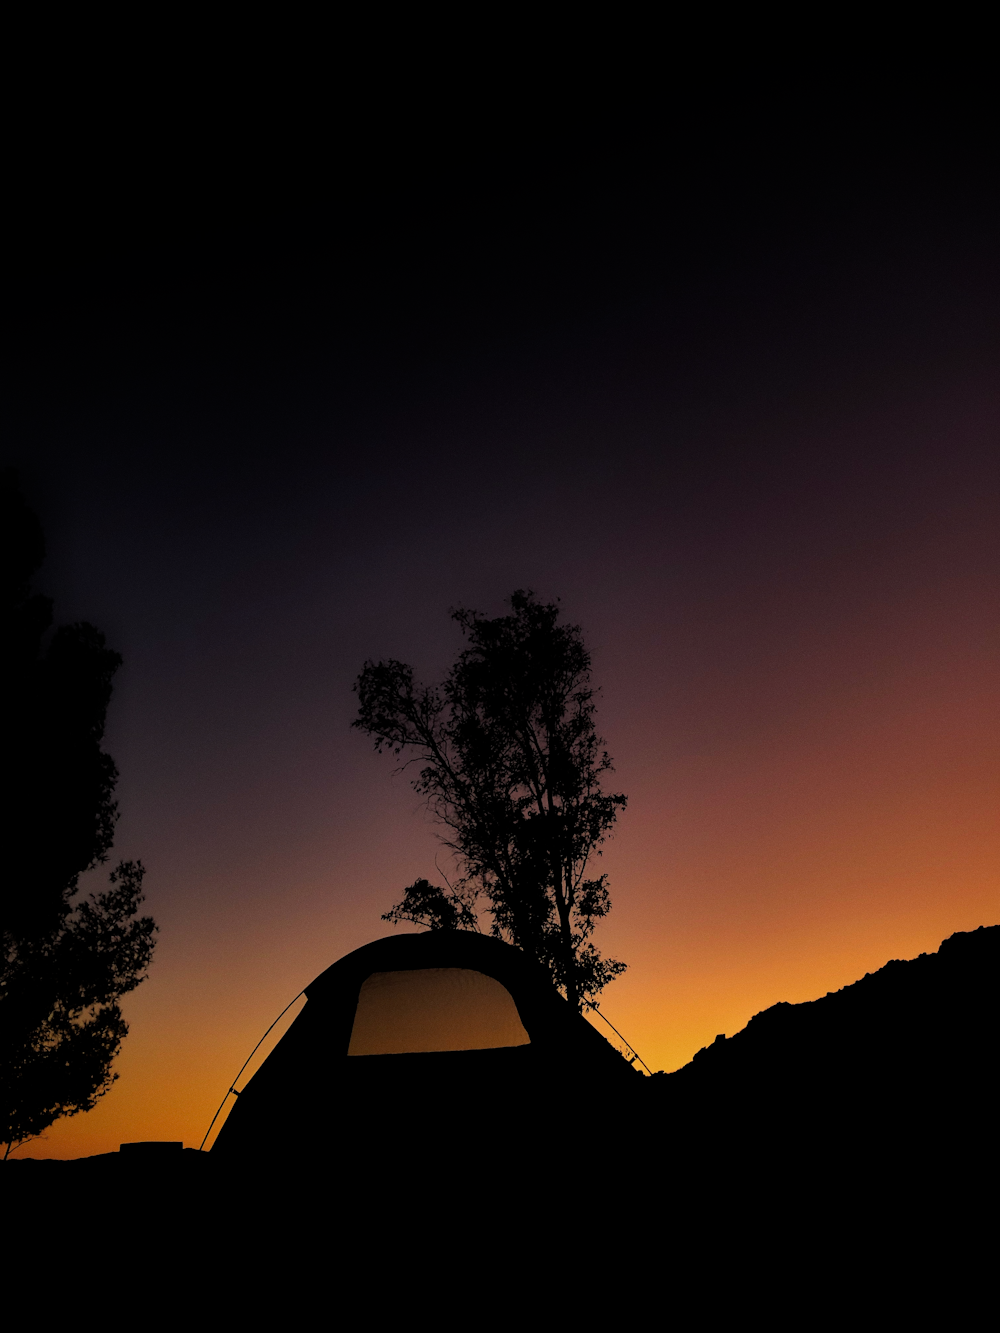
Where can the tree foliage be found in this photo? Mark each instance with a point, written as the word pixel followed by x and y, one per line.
pixel 63 966
pixel 62 1024
pixel 510 764
pixel 426 904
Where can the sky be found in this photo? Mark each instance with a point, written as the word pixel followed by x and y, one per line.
pixel 743 423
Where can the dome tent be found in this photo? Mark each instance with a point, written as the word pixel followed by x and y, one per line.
pixel 360 1065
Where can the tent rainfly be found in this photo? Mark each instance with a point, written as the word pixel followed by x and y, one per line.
pixel 413 1037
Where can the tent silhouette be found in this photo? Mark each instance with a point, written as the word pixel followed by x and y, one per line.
pixel 413 1039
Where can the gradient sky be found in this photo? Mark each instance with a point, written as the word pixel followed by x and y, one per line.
pixel 750 439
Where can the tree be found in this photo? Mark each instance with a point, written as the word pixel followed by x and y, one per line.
pixel 64 966
pixel 425 904
pixel 510 765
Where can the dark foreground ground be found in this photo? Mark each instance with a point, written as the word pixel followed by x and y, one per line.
pixel 835 1160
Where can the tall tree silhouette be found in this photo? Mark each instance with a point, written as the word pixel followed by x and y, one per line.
pixel 63 966
pixel 511 766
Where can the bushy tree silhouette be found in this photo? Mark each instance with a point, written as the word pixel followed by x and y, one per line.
pixel 63 966
pixel 511 765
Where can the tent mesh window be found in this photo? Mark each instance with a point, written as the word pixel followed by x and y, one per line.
pixel 434 1009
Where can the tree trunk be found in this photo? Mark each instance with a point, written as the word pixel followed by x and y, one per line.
pixel 566 934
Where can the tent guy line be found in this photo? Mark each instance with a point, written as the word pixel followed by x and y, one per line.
pixel 232 1086
pixel 635 1053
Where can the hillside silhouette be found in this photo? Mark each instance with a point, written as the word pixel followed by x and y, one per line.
pixel 830 1150
pixel 913 1045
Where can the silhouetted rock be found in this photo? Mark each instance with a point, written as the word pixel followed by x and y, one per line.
pixel 906 1055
